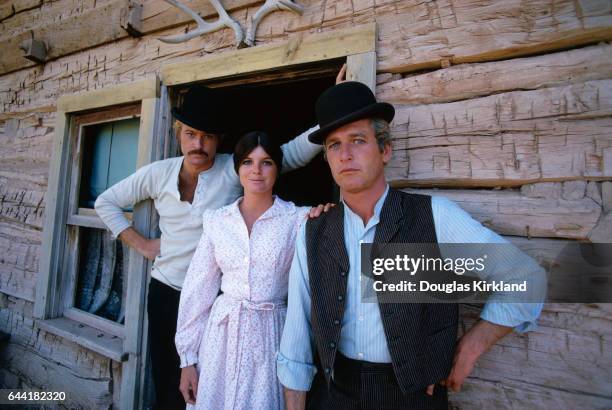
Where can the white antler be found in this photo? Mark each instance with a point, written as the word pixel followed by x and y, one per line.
pixel 268 7
pixel 224 20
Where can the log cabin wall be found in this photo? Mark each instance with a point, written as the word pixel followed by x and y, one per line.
pixel 502 106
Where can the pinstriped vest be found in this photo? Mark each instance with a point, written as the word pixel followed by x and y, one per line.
pixel 420 337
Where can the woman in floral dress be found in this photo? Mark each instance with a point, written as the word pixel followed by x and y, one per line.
pixel 227 343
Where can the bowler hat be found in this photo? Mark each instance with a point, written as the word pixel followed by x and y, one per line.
pixel 203 108
pixel 344 103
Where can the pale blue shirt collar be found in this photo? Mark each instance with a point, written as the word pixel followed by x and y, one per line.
pixel 373 221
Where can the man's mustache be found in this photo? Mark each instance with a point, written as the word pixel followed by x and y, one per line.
pixel 198 152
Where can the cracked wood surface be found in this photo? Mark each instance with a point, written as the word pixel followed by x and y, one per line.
pixel 509 212
pixel 412 35
pixel 44 361
pixel 506 139
pixel 467 81
pixel 25 154
pixel 537 118
pixel 565 363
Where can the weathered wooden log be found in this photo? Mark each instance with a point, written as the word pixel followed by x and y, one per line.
pixel 125 254
pixel 21 205
pixel 413 36
pixel 510 213
pixel 507 139
pixel 97 26
pixel 473 80
pixel 19 263
pixel 11 8
pixel 472 31
pixel 548 361
pixel 51 363
pixel 502 393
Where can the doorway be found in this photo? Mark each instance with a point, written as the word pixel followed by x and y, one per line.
pixel 282 104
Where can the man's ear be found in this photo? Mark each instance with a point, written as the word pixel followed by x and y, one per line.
pixel 387 152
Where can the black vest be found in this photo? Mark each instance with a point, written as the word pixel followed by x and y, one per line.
pixel 420 337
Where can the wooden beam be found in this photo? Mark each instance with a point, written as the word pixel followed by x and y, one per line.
pixel 463 31
pixel 53 231
pixel 95 322
pixel 151 136
pixel 467 81
pixel 507 139
pixel 90 29
pixel 362 67
pixel 10 8
pixel 571 343
pixel 84 388
pixel 121 94
pixel 93 339
pixel 511 213
pixel 504 390
pixel 300 49
pixel 412 36
pixel 97 26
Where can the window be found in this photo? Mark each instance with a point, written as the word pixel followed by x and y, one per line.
pixel 91 288
pixel 104 150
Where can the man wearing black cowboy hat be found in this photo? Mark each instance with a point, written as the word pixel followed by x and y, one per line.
pixel 352 355
pixel 182 188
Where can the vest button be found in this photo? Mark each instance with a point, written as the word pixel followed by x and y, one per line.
pixel 340 297
pixel 332 345
pixel 336 322
pixel 327 370
pixel 343 273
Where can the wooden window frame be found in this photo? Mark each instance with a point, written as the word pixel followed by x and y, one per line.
pixel 55 283
pixel 85 217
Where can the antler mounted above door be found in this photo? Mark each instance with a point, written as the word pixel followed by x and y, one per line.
pixel 225 20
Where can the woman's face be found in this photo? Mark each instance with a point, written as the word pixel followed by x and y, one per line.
pixel 257 172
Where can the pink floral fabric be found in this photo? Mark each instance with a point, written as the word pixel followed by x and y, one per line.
pixel 233 337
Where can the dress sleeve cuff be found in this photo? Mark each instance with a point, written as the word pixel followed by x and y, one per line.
pixel 520 316
pixel 188 359
pixel 294 375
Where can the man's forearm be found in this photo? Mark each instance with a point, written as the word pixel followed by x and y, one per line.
pixel 485 334
pixel 149 248
pixel 294 399
pixel 471 346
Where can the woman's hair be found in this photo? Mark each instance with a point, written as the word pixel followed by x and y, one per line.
pixel 251 140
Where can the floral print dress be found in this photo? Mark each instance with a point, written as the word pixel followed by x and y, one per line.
pixel 233 337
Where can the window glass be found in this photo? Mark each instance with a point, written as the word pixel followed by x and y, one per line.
pixel 101 271
pixel 109 155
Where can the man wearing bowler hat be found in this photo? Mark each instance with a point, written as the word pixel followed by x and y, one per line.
pixel 337 352
pixel 182 188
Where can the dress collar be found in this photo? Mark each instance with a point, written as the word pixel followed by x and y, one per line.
pixel 278 208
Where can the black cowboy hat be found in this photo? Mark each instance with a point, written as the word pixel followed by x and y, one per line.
pixel 344 103
pixel 202 109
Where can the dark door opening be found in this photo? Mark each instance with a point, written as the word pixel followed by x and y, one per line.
pixel 284 110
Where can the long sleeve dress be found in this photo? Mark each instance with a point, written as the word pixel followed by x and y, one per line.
pixel 233 337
